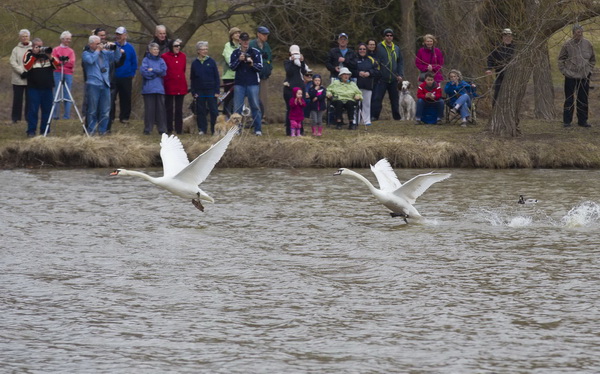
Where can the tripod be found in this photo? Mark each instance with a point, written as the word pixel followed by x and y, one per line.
pixel 60 98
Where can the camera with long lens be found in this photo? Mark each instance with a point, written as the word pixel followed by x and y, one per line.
pixel 45 50
pixel 109 46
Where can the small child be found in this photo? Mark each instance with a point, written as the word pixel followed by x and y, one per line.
pixel 297 105
pixel 318 105
pixel 429 94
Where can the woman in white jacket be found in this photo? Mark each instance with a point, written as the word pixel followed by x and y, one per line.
pixel 19 75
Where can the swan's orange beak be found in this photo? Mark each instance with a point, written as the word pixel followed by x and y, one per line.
pixel 116 172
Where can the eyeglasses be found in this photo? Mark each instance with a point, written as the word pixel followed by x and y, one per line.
pixel 308 75
pixel 176 46
pixel 389 35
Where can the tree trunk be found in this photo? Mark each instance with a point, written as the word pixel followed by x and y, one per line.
pixel 542 85
pixel 407 39
pixel 505 115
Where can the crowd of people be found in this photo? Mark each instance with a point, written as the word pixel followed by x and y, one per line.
pixel 357 79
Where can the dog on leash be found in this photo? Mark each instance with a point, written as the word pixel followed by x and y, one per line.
pixel 408 106
pixel 223 125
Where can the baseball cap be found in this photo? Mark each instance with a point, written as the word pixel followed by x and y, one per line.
pixel 121 30
pixel 507 32
pixel 263 30
pixel 343 35
pixel 244 36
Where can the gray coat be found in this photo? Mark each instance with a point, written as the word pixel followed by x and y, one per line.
pixel 576 59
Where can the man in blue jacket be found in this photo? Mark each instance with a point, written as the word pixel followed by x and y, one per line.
pixel 247 64
pixel 124 75
pixel 96 64
pixel 391 64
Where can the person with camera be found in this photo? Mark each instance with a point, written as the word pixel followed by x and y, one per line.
pixel 260 43
pixel 96 61
pixel 295 69
pixel 247 64
pixel 65 54
pixel 39 64
pixel 19 75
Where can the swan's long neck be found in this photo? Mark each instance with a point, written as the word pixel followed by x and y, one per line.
pixel 139 174
pixel 361 178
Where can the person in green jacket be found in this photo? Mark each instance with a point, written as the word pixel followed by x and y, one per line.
pixel 344 94
pixel 228 74
pixel 260 43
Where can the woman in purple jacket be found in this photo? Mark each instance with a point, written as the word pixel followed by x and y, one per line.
pixel 153 70
pixel 430 59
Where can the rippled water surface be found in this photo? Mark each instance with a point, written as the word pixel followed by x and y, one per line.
pixel 297 271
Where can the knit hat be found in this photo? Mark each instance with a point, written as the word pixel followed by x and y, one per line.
pixel 316 76
pixel 388 31
pixel 233 30
pixel 294 49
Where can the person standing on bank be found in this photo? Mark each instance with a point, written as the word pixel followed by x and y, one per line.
pixel 204 82
pixel 19 75
pixel 124 75
pixel 228 74
pixel 368 72
pixel 67 54
pixel 391 64
pixel 295 69
pixel 341 57
pixel 247 64
pixel 153 70
pixel 499 58
pixel 176 86
pixel 160 38
pixel 576 61
pixel 261 44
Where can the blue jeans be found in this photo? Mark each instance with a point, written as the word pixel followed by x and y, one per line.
pixel 98 108
pixel 464 103
pixel 38 99
pixel 69 103
pixel 439 107
pixel 252 92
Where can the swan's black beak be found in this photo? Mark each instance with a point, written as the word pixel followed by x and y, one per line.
pixel 339 172
pixel 116 172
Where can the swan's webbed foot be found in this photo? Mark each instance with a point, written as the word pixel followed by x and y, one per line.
pixel 404 216
pixel 198 204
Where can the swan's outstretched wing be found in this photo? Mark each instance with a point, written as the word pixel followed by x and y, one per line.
pixel 415 187
pixel 173 156
pixel 388 181
pixel 197 171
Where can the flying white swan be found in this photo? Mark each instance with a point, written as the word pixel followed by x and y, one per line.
pixel 182 177
pixel 394 195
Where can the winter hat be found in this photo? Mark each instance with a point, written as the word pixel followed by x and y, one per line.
pixel 388 31
pixel 316 76
pixel 294 49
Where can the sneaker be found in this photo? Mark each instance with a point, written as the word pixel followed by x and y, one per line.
pixel 258 133
pixel 464 124
pixel 200 132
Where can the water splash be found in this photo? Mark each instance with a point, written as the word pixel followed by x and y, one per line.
pixel 583 215
pixel 510 217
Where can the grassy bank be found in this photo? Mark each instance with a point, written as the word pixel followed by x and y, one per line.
pixel 545 145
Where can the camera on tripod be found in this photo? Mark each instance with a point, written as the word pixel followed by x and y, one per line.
pixel 110 46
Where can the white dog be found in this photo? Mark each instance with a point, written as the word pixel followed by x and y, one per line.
pixel 408 106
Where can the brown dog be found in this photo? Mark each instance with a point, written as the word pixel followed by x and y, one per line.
pixel 223 125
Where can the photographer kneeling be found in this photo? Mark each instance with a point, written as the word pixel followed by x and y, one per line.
pixel 344 93
pixel 39 65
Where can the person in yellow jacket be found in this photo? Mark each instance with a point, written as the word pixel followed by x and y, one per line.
pixel 344 95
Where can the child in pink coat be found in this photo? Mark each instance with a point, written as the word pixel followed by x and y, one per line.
pixel 297 105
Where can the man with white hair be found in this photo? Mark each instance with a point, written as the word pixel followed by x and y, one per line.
pixel 19 75
pixel 65 54
pixel 160 38
pixel 96 63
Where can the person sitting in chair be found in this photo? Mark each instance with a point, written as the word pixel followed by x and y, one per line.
pixel 459 95
pixel 344 94
pixel 429 94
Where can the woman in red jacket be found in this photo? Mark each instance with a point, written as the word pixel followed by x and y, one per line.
pixel 176 86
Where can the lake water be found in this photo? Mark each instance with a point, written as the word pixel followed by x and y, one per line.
pixel 297 271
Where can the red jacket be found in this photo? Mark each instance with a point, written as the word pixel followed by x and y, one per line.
pixel 175 82
pixel 423 89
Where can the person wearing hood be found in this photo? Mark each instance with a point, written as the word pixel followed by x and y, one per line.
pixel 19 75
pixel 153 70
pixel 176 86
pixel 297 105
pixel 344 94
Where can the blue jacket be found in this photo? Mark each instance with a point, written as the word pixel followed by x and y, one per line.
pixel 246 75
pixel 454 91
pixel 204 77
pixel 153 80
pixel 321 96
pixel 129 68
pixel 96 69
